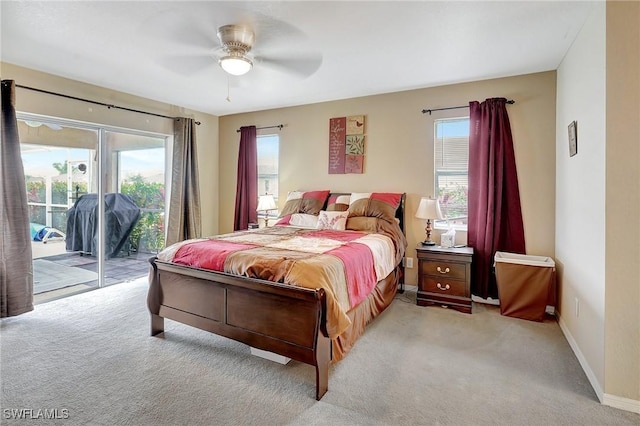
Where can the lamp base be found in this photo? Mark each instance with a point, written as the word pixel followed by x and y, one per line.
pixel 429 243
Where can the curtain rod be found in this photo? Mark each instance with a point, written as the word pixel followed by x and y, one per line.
pixel 279 126
pixel 424 111
pixel 97 103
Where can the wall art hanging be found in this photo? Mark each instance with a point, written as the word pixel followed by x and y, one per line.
pixel 346 144
pixel 573 138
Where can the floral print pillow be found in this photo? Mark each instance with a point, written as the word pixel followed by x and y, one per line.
pixel 332 220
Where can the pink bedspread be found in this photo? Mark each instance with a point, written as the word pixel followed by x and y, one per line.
pixel 346 264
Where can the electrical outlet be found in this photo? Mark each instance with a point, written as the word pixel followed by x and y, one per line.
pixel 408 262
pixel 577 307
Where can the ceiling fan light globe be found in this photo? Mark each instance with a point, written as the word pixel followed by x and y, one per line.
pixel 236 65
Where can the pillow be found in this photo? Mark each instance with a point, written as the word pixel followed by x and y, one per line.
pixel 338 203
pixel 310 202
pixel 302 220
pixel 283 220
pixel 361 223
pixel 332 220
pixel 382 205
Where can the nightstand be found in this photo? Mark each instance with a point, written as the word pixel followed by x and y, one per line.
pixel 444 277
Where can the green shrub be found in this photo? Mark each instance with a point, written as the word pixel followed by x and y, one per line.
pixel 148 234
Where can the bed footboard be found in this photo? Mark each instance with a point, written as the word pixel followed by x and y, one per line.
pixel 278 318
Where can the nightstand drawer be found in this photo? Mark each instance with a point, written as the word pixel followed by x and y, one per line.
pixel 444 277
pixel 446 287
pixel 447 270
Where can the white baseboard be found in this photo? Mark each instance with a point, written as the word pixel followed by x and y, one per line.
pixel 621 403
pixel 488 301
pixel 582 360
pixel 409 287
pixel 605 399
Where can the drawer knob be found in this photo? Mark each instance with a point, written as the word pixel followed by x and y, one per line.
pixel 446 270
pixel 445 288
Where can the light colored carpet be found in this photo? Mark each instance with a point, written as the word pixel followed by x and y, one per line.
pixel 92 355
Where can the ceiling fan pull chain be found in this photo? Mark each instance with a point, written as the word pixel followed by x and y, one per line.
pixel 228 90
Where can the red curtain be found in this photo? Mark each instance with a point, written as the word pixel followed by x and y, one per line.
pixel 495 216
pixel 247 184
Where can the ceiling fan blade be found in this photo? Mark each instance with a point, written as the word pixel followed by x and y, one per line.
pixel 301 66
pixel 183 27
pixel 195 38
pixel 274 33
pixel 188 65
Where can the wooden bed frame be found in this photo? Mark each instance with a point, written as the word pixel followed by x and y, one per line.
pixel 279 318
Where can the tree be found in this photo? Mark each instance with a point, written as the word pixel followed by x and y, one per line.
pixel 63 167
pixel 148 234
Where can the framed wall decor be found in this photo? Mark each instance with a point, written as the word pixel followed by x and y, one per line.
pixel 346 144
pixel 573 138
pixel 337 144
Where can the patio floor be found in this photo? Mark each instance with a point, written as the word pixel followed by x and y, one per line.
pixel 57 273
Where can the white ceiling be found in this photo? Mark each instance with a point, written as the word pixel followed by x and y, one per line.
pixel 305 51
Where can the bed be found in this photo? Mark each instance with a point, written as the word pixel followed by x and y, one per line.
pixel 289 289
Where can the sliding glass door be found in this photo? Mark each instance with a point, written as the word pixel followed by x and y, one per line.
pixel 96 203
pixel 134 202
pixel 60 165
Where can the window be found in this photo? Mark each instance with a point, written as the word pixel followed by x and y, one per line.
pixel 268 148
pixel 451 169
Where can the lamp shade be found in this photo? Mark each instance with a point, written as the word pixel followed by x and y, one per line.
pixel 266 202
pixel 429 209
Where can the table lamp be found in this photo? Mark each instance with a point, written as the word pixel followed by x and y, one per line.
pixel 266 202
pixel 428 209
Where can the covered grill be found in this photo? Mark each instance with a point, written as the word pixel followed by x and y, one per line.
pixel 121 216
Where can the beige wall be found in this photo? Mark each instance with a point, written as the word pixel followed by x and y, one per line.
pixel 580 196
pixel 584 211
pixel 622 260
pixel 399 149
pixel 53 106
pixel 598 201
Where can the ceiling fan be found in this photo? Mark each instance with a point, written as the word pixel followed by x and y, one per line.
pixel 263 45
pixel 234 57
pixel 236 41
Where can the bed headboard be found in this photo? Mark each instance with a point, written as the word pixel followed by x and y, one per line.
pixel 400 212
